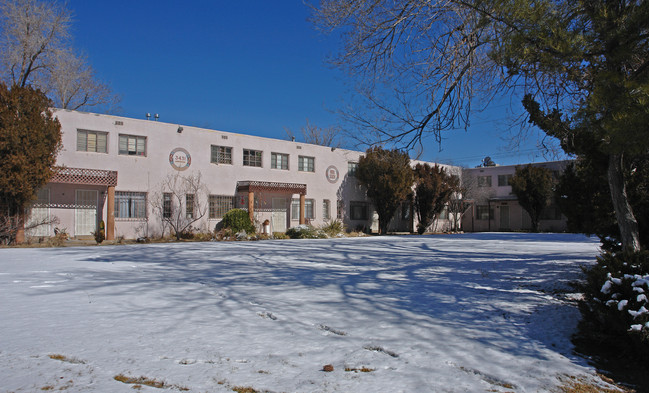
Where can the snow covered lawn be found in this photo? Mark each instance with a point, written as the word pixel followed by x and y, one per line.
pixel 461 313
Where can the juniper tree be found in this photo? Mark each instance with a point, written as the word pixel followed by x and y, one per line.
pixel 433 190
pixel 387 178
pixel 534 189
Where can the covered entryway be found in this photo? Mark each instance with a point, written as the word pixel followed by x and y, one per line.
pixel 289 189
pixel 86 200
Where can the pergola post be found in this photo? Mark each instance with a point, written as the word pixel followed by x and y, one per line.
pixel 251 205
pixel 110 213
pixel 302 203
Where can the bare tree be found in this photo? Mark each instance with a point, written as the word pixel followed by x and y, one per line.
pixel 420 65
pixel 180 202
pixel 329 136
pixel 36 50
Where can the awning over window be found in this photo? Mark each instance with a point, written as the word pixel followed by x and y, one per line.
pixel 254 186
pixel 93 177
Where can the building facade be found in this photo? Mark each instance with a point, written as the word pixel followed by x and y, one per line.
pixel 494 207
pixel 134 175
pixel 138 175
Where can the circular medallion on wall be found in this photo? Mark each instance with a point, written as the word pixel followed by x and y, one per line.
pixel 180 159
pixel 332 174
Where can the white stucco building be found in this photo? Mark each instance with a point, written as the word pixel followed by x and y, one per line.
pixel 113 170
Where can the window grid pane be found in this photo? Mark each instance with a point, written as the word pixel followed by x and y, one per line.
pixel 92 141
pixel 326 205
pixel 221 155
pixel 306 164
pixel 220 204
pixel 279 161
pixel 130 204
pixel 166 205
pixel 189 205
pixel 252 158
pixel 132 145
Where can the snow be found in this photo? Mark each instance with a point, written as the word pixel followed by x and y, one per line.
pixel 460 313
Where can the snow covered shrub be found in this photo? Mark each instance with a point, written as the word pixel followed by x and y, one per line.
pixel 305 232
pixel 238 220
pixel 616 309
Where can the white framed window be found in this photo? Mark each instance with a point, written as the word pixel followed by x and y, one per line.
pixel 220 204
pixel 326 209
pixel 252 158
pixel 484 181
pixel 309 211
pixel 305 164
pixel 92 141
pixel 130 204
pixel 279 161
pixel 483 212
pixel 221 155
pixel 132 145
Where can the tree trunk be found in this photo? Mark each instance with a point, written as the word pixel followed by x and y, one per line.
pixel 629 232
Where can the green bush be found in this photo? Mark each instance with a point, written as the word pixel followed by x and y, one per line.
pixel 238 220
pixel 615 307
pixel 305 232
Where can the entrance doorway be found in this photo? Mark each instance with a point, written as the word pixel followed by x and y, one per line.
pixel 279 215
pixel 504 218
pixel 85 212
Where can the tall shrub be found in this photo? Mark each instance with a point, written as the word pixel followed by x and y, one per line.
pixel 238 220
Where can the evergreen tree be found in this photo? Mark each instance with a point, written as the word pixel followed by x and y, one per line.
pixel 433 190
pixel 387 177
pixel 30 138
pixel 533 187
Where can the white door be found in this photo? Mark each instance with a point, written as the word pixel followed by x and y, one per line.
pixel 85 215
pixel 279 216
pixel 40 214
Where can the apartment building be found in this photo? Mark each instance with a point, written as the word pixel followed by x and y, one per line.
pixel 494 207
pixel 114 170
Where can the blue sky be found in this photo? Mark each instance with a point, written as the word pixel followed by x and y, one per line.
pixel 250 66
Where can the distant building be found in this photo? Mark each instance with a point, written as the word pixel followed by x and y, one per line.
pixel 494 205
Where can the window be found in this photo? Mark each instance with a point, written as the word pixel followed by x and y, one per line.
pixel 483 213
pixel 221 155
pixel 220 204
pixel 306 164
pixel 279 161
pixel 359 210
pixel 326 209
pixel 340 209
pixel 130 204
pixel 504 180
pixel 309 212
pixel 166 205
pixel 252 158
pixel 132 145
pixel 443 215
pixel 351 168
pixel 189 205
pixel 93 141
pixel 484 181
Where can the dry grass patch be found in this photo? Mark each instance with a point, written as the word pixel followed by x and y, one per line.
pixel 362 369
pixel 572 384
pixel 64 358
pixel 244 389
pixel 140 381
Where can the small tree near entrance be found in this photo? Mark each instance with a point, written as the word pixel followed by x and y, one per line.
pixel 178 203
pixel 533 187
pixel 387 177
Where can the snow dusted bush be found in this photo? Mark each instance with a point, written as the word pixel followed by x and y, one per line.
pixel 616 305
pixel 305 232
pixel 238 220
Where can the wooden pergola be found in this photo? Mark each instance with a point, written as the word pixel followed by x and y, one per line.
pixel 252 186
pixel 93 177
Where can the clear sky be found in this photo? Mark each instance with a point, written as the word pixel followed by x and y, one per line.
pixel 248 66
